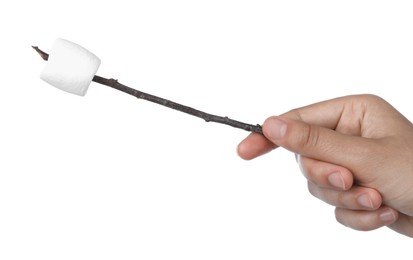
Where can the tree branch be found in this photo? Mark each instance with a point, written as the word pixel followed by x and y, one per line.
pixel 113 83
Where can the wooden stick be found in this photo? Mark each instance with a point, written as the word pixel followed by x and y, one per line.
pixel 113 83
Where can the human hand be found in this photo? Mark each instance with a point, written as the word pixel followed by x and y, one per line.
pixel 357 154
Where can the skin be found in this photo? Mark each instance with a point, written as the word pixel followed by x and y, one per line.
pixel 356 153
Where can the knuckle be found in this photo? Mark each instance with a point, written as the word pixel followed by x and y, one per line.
pixel 321 193
pixel 339 217
pixel 356 220
pixel 312 188
pixel 342 200
pixel 294 114
pixel 310 137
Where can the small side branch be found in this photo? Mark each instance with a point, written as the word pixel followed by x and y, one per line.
pixel 167 103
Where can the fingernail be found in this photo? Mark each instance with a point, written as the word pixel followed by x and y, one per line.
pixel 336 180
pixel 365 201
pixel 387 216
pixel 276 128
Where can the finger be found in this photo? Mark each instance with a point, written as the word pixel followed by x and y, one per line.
pixel 366 220
pixel 326 113
pixel 253 146
pixel 403 225
pixel 325 175
pixel 347 115
pixel 356 198
pixel 320 143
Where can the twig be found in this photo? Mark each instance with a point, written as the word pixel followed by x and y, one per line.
pixel 113 83
pixel 42 54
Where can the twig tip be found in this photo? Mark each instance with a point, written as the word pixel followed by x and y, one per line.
pixel 42 54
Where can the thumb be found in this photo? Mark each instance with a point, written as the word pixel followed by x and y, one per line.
pixel 318 142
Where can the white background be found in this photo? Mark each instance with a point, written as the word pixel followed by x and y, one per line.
pixel 108 176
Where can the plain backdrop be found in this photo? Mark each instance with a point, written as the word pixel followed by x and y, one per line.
pixel 108 176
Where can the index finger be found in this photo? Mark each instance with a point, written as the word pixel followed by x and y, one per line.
pixel 326 114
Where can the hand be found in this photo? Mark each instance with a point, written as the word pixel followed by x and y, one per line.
pixel 357 154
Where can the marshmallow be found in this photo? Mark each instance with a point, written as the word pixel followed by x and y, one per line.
pixel 70 67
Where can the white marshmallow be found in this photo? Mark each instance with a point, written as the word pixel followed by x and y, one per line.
pixel 70 67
